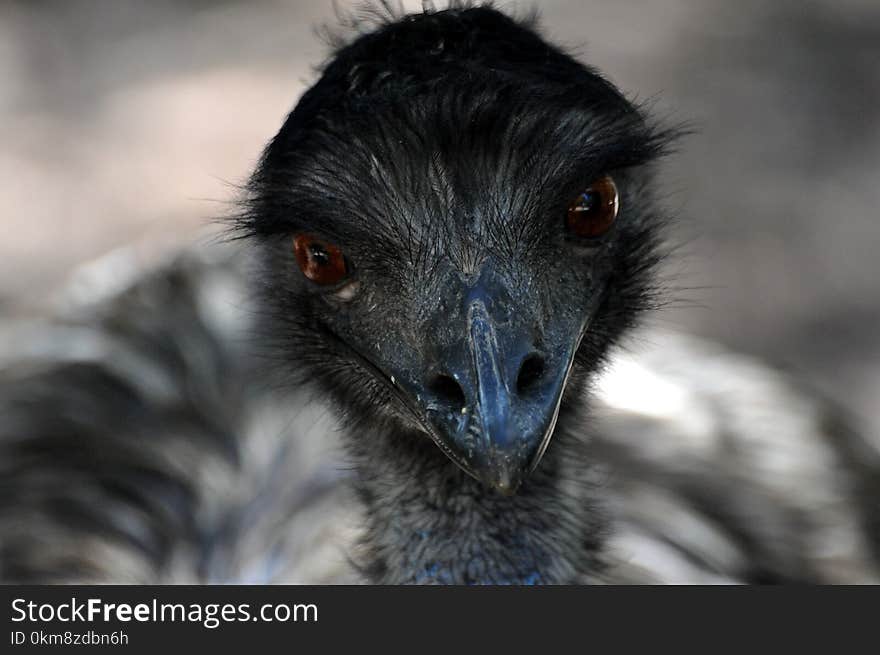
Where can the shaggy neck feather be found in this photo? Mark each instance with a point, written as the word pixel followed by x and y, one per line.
pixel 429 522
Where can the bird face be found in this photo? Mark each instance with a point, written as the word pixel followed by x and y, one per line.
pixel 478 352
pixel 447 262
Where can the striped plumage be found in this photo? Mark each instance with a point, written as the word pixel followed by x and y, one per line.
pixel 141 442
pixel 425 308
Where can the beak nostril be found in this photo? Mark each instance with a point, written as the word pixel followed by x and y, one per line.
pixel 448 390
pixel 530 373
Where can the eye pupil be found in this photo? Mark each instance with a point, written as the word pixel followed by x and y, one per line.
pixel 587 202
pixel 593 212
pixel 319 255
pixel 321 262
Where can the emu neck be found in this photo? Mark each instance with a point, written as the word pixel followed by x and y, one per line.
pixel 430 523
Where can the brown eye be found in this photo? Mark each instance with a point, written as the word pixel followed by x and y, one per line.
pixel 592 213
pixel 320 261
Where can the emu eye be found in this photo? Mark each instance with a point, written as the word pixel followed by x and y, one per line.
pixel 321 262
pixel 592 213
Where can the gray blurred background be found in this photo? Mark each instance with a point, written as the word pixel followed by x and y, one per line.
pixel 130 122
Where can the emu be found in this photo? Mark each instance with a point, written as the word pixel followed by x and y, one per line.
pixel 456 224
pixel 448 238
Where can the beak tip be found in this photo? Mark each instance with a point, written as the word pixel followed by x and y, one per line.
pixel 505 481
pixel 506 489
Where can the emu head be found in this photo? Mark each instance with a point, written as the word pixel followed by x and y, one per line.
pixel 455 223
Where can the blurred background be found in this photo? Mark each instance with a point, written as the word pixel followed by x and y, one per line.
pixel 130 123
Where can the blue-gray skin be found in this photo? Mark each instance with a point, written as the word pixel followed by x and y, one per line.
pixel 440 153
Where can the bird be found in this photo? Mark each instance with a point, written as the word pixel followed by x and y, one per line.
pixel 434 274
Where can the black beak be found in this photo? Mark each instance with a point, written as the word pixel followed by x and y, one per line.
pixel 493 400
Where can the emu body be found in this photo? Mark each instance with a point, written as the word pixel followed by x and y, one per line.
pixel 140 442
pixel 456 342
